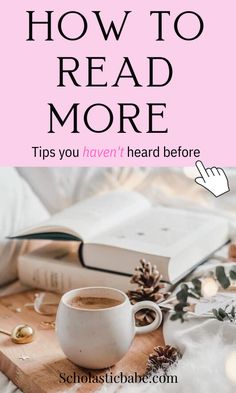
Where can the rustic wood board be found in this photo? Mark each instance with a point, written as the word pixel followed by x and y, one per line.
pixel 35 367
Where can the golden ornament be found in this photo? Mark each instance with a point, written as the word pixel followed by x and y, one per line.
pixel 21 334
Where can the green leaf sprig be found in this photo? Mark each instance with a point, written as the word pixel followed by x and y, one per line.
pixel 194 290
pixel 225 314
pixel 186 291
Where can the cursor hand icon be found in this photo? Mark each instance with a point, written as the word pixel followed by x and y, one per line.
pixel 212 179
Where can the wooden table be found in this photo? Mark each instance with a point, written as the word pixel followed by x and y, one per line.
pixel 36 367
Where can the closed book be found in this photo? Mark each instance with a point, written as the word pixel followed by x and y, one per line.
pixel 55 267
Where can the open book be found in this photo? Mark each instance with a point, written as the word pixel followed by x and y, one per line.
pixel 117 229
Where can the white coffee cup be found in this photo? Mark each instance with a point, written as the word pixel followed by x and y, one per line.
pixel 99 338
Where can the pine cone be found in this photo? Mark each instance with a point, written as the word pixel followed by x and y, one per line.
pixel 162 359
pixel 146 316
pixel 151 294
pixel 150 288
pixel 147 276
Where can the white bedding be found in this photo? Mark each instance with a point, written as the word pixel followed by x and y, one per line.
pixel 55 189
pixel 59 188
pixel 6 386
pixel 19 207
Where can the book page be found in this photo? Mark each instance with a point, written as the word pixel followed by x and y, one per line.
pixel 159 230
pixel 95 215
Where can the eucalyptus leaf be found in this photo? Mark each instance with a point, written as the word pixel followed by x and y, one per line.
pixel 182 295
pixel 221 277
pixel 197 285
pixel 176 316
pixel 232 274
pixel 180 306
pixel 233 312
pixel 222 312
pixel 216 314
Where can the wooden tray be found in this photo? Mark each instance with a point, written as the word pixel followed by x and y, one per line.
pixel 36 367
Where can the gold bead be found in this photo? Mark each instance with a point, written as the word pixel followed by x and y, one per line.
pixel 22 334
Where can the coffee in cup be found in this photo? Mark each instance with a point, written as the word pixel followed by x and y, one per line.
pixel 93 302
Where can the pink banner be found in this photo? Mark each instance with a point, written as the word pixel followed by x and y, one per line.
pixel 155 88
